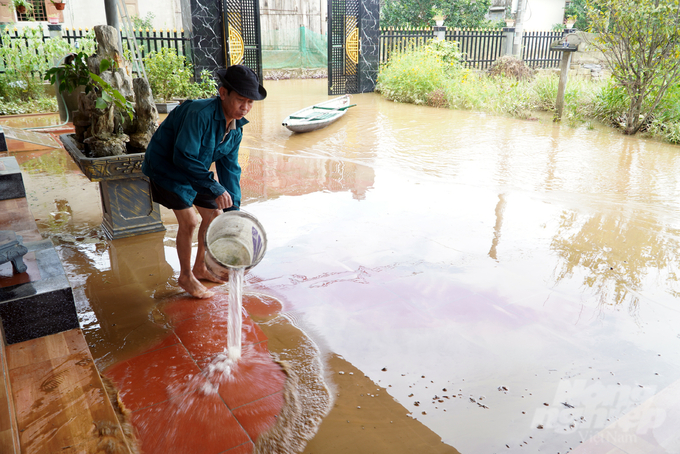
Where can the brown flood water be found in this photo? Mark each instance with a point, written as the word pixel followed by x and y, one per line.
pixel 479 277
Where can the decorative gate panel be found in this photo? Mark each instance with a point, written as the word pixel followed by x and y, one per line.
pixel 242 34
pixel 344 47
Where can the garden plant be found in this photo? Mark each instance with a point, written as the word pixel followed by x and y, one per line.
pixel 25 59
pixel 171 76
pixel 421 13
pixel 640 40
pixel 434 75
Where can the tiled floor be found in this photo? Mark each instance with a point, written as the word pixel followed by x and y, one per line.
pixel 162 386
pixel 58 397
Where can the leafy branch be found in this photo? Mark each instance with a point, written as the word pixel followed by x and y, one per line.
pixel 108 94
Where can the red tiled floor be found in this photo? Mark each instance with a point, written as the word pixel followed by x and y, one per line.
pixel 169 411
pixel 254 377
pixel 206 335
pixel 246 448
pixel 144 379
pixel 261 307
pixel 259 416
pixel 188 425
pixel 183 307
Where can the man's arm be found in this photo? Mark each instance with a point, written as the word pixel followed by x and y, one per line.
pixel 229 173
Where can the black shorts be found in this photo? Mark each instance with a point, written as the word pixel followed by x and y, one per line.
pixel 172 201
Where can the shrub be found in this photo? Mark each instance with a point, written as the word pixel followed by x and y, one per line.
pixel 509 66
pixel 612 104
pixel 170 76
pixel 206 88
pixel 25 58
pixel 413 75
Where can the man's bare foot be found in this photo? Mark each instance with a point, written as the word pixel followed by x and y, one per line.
pixel 191 285
pixel 205 275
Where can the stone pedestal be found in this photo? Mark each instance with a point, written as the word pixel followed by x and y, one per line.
pixel 3 142
pixel 11 182
pixel 43 305
pixel 126 197
pixel 12 250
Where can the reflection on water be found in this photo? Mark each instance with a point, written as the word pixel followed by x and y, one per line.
pixel 614 256
pixel 523 261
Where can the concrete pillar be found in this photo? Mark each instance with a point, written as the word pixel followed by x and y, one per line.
pixel 369 44
pixel 54 30
pixel 508 39
pixel 519 30
pixel 562 87
pixel 440 32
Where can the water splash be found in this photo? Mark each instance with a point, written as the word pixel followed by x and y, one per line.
pixel 235 309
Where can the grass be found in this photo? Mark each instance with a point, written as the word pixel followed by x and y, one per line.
pixel 24 97
pixel 421 76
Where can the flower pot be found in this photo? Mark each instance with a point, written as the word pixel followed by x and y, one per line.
pixel 570 24
pixel 60 6
pixel 128 209
pixel 510 22
pixel 21 9
pixel 166 107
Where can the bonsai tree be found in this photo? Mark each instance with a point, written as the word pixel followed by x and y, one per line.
pixel 74 73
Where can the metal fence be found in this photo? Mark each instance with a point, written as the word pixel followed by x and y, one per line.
pixel 396 40
pixel 480 48
pixel 536 49
pixel 148 40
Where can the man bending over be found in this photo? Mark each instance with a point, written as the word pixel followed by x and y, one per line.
pixel 195 135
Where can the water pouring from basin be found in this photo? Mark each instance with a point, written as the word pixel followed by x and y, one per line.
pixel 235 241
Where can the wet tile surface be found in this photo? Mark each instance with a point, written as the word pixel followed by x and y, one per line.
pixel 57 393
pixel 164 387
pixel 38 302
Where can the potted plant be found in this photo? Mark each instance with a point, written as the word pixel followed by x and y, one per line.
pixel 73 75
pixel 59 4
pixel 509 19
pixel 22 6
pixel 70 78
pixel 439 17
pixel 571 20
pixel 169 76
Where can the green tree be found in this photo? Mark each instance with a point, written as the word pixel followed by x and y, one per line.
pixel 578 8
pixel 641 43
pixel 406 13
pixel 419 13
pixel 465 13
pixel 142 23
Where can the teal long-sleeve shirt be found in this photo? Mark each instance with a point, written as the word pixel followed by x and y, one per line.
pixel 190 139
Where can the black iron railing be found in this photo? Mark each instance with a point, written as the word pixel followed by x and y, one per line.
pixel 148 40
pixel 480 48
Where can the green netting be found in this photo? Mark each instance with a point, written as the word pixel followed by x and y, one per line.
pixel 295 48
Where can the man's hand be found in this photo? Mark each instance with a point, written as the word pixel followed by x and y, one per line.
pixel 224 201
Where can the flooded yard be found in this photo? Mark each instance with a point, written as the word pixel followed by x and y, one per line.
pixel 503 285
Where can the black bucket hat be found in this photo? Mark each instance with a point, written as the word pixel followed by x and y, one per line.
pixel 243 81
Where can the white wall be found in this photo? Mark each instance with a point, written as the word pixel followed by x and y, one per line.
pixel 541 15
pixel 88 13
